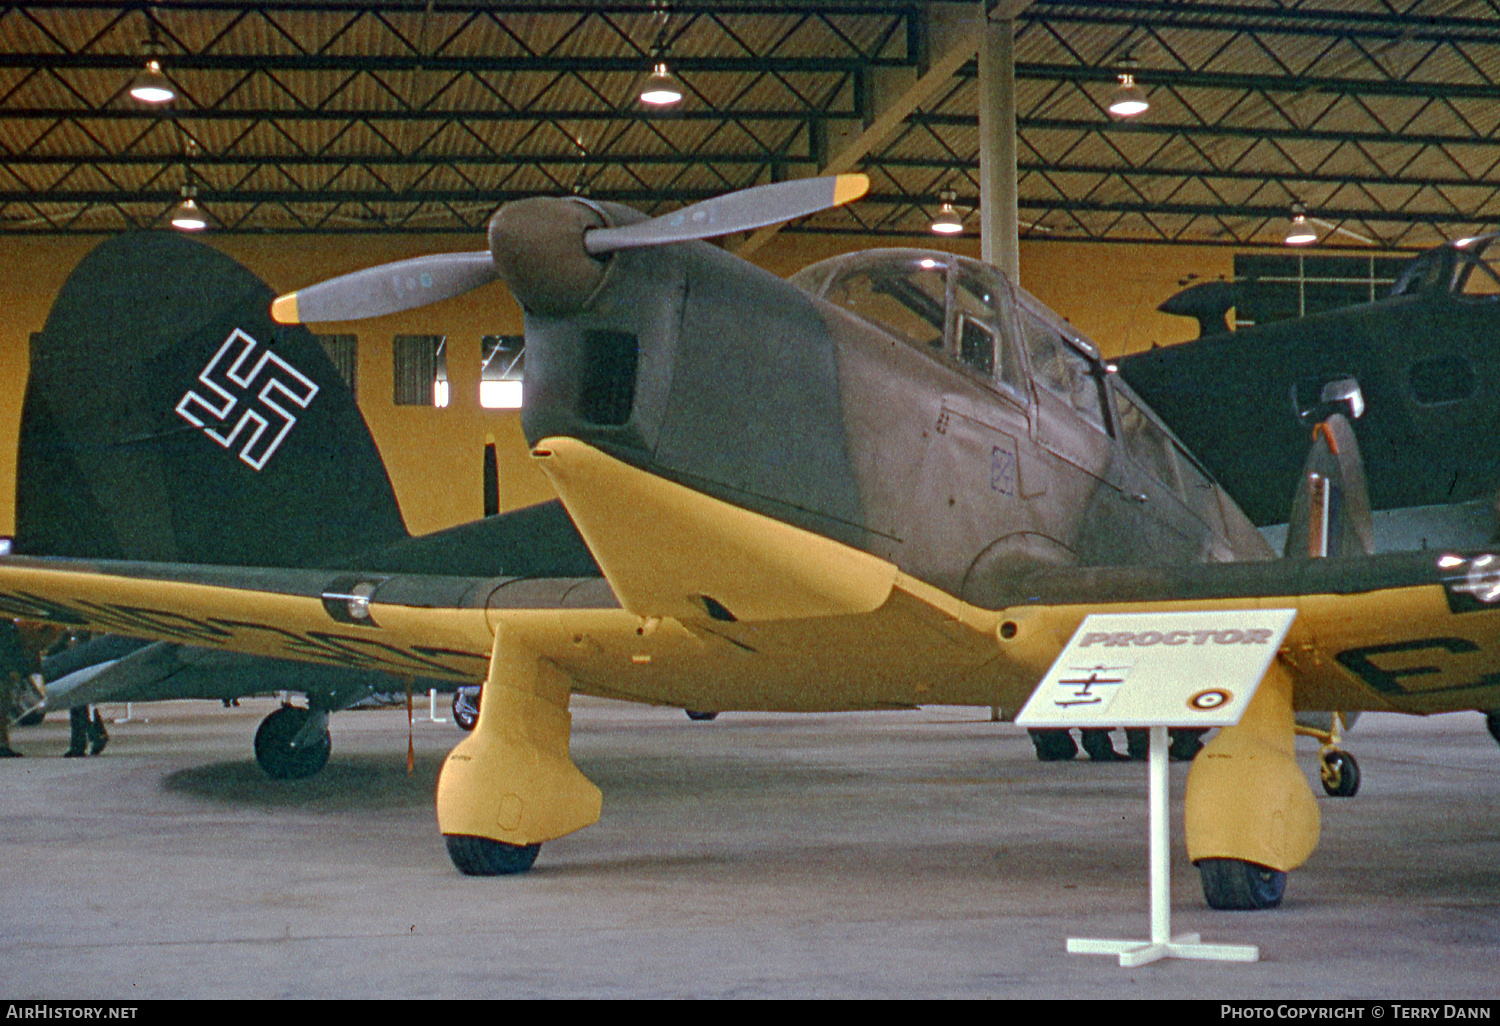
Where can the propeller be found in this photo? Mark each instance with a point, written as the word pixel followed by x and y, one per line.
pixel 514 254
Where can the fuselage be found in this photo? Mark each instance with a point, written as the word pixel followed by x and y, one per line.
pixel 910 404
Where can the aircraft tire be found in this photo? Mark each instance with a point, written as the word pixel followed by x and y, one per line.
pixel 1236 885
pixel 483 856
pixel 1340 775
pixel 273 751
pixel 699 715
pixel 1492 721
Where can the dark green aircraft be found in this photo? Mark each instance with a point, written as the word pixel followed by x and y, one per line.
pixel 1420 359
pixel 896 479
pixel 154 344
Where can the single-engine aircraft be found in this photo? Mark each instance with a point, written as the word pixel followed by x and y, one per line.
pixel 1423 360
pixel 894 479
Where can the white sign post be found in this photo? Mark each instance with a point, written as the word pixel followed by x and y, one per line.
pixel 1159 670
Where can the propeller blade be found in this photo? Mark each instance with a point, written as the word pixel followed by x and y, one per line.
pixel 389 288
pixel 735 212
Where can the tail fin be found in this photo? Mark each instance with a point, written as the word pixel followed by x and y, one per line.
pixel 1331 510
pixel 167 418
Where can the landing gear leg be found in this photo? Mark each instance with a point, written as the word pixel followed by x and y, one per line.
pixel 511 784
pixel 1337 768
pixel 1251 816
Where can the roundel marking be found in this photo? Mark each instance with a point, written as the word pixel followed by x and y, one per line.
pixel 1210 699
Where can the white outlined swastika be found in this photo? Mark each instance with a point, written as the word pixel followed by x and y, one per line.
pixel 290 387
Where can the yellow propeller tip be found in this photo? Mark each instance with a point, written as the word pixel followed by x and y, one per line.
pixel 848 188
pixel 284 309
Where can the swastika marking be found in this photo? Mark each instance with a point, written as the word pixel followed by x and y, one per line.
pixel 228 385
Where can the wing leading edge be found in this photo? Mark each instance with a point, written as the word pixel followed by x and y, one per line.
pixel 1408 632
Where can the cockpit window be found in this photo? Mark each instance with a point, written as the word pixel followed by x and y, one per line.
pixel 1475 273
pixel 906 297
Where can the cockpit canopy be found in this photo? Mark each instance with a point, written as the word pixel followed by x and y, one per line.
pixel 953 308
pixel 1468 269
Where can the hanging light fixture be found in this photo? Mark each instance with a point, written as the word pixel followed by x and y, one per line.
pixel 1129 99
pixel 150 85
pixel 661 88
pixel 1301 232
pixel 948 220
pixel 187 216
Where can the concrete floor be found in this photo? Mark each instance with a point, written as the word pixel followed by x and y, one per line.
pixel 918 855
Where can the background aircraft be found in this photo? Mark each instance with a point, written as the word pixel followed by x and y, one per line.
pixel 893 480
pixel 154 343
pixel 1423 359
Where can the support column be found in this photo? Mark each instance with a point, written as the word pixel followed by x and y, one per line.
pixel 999 220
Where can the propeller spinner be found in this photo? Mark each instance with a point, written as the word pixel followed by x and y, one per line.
pixel 541 248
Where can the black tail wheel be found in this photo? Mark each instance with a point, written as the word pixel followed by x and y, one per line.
pixel 274 751
pixel 1340 774
pixel 482 856
pixel 1236 885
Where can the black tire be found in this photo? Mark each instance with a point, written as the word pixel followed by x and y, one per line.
pixel 482 856
pixel 1236 885
pixel 1340 775
pixel 465 709
pixel 1492 721
pixel 700 716
pixel 1053 745
pixel 273 746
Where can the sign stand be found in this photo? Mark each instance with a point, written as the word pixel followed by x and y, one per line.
pixel 1162 944
pixel 1194 669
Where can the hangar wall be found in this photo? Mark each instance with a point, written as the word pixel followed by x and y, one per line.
pixel 435 456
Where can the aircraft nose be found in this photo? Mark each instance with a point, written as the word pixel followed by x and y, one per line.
pixel 537 247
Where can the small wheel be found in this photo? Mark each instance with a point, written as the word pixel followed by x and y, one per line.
pixel 482 856
pixel 466 708
pixel 700 716
pixel 1233 884
pixel 1340 774
pixel 274 751
pixel 1492 721
pixel 1053 745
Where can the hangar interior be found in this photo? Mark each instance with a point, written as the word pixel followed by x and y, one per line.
pixel 321 137
pixel 318 137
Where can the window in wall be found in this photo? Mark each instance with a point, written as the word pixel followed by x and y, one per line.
pixel 1274 287
pixel 421 370
pixel 343 350
pixel 503 363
